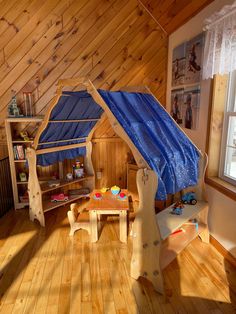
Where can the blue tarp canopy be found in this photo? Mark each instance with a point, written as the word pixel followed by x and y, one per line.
pixel 163 145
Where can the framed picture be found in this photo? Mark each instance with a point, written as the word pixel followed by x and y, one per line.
pixel 191 107
pixel 194 52
pixel 177 99
pixel 178 65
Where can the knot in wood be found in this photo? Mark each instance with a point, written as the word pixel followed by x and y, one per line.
pixel 156 272
pixel 156 242
pixel 145 245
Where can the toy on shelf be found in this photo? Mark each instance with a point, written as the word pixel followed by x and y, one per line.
pixel 53 183
pixel 189 198
pixel 193 222
pixel 28 104
pixel 177 208
pixel 78 170
pixel 61 197
pixel 24 135
pixel 23 177
pixel 13 109
pixel 115 190
pixel 69 176
pixel 181 230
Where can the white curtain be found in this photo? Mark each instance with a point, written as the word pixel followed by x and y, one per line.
pixel 220 42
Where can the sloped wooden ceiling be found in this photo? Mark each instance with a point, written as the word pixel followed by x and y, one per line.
pixel 171 14
pixel 115 43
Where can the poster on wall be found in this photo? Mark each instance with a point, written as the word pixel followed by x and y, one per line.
pixel 194 56
pixel 177 99
pixel 191 107
pixel 178 65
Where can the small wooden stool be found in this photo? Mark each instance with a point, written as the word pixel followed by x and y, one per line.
pixel 78 218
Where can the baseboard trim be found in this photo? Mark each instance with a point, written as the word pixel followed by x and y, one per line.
pixel 227 255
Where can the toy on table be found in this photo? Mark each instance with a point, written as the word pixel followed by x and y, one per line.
pixel 104 190
pixel 177 208
pixel 122 196
pixel 97 196
pixel 61 197
pixel 189 198
pixel 115 190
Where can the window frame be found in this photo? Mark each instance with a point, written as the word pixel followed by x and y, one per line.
pixel 230 111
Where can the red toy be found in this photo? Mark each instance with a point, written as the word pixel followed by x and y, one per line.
pixel 122 195
pixel 61 197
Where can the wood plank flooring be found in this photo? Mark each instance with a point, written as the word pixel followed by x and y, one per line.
pixel 43 270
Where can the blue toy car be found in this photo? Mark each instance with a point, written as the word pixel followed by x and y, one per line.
pixel 189 198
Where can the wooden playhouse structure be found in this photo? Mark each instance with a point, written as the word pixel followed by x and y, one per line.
pixel 61 134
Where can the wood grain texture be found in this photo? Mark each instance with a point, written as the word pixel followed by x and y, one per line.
pixel 171 14
pixel 45 271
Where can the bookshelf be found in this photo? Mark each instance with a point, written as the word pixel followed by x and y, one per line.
pixel 17 156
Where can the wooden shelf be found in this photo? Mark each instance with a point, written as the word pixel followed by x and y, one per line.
pixel 45 188
pixel 48 205
pixel 169 223
pixel 25 119
pixel 22 182
pixel 21 141
pixel 175 243
pixel 20 160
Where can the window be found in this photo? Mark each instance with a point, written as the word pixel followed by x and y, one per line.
pixel 228 147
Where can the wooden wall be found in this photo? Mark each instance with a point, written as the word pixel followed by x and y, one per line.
pixel 114 43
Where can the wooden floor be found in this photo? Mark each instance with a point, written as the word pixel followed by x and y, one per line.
pixel 46 271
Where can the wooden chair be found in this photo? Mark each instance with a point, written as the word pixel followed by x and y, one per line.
pixel 78 217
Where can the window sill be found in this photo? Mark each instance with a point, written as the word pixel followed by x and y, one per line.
pixel 222 186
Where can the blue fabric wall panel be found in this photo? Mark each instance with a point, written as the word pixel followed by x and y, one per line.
pixel 51 158
pixel 71 106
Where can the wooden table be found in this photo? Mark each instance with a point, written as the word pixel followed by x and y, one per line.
pixel 109 204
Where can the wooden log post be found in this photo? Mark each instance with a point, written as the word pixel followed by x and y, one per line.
pixel 146 234
pixel 34 190
pixel 89 166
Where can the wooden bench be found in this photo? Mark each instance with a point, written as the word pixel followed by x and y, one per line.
pixel 154 244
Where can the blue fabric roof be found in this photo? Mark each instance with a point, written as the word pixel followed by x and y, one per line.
pixel 167 150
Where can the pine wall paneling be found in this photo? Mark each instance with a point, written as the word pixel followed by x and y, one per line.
pixel 114 43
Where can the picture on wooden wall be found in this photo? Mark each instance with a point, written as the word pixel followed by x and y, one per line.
pixel 191 107
pixel 178 65
pixel 194 51
pixel 177 99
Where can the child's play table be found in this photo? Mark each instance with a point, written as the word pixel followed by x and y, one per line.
pixel 108 204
